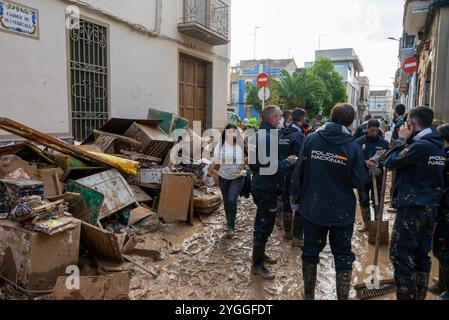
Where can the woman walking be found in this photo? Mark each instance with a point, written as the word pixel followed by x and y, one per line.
pixel 230 156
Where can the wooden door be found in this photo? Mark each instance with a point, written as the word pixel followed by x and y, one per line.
pixel 192 90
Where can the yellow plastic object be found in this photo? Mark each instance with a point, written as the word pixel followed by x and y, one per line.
pixel 125 165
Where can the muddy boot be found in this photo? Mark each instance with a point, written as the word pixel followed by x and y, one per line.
pixel 366 215
pixel 343 284
pixel 444 279
pixel 288 227
pixel 422 285
pixel 269 260
pixel 297 243
pixel 406 288
pixel 309 276
pixel 258 259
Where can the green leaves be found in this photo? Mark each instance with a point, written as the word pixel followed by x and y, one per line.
pixel 300 89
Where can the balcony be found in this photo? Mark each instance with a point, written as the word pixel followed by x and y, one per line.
pixel 206 20
pixel 415 15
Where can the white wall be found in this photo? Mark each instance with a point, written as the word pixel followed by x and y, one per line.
pixel 143 70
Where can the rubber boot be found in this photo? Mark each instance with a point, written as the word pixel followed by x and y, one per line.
pixel 406 288
pixel 288 230
pixel 366 215
pixel 258 267
pixel 309 272
pixel 269 260
pixel 344 279
pixel 445 280
pixel 422 285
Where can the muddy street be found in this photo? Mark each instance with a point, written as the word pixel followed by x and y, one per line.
pixel 201 263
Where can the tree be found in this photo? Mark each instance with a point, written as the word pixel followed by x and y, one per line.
pixel 252 95
pixel 324 69
pixel 300 89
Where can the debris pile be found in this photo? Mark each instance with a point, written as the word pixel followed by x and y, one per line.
pixel 93 206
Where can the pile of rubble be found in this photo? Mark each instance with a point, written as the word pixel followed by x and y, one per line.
pixel 68 206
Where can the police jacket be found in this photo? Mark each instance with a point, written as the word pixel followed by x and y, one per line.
pixel 330 167
pixel 292 137
pixel 371 146
pixel 419 169
pixel 273 182
pixel 397 124
pixel 444 205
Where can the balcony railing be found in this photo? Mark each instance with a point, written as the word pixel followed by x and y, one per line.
pixel 207 20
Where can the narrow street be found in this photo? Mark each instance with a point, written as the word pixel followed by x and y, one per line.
pixel 206 265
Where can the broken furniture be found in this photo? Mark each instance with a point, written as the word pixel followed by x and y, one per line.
pixel 35 260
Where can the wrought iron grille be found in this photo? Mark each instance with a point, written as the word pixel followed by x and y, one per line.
pixel 89 78
pixel 212 14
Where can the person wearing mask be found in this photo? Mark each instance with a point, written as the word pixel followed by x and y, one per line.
pixel 371 143
pixel 267 184
pixel 418 158
pixel 331 165
pixel 441 234
pixel 229 155
pixel 294 137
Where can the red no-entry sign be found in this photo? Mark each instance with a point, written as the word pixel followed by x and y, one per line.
pixel 410 65
pixel 263 79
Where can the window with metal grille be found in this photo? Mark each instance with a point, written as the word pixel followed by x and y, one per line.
pixel 89 74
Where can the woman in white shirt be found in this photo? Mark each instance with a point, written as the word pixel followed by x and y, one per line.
pixel 229 154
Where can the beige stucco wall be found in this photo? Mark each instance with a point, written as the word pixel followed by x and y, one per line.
pixel 143 69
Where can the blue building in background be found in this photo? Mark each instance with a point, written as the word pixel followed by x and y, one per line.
pixel 245 73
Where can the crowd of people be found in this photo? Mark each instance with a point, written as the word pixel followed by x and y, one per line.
pixel 318 167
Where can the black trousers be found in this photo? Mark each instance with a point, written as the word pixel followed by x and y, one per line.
pixel 265 216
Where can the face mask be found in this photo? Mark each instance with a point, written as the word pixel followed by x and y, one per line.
pixel 281 123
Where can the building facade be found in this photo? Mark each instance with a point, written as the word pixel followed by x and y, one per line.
pixel 349 66
pixel 380 104
pixel 426 37
pixel 80 63
pixel 246 72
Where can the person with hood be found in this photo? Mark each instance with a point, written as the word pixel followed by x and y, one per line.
pixel 418 158
pixel 267 185
pixel 322 189
pixel 371 143
pixel 292 140
pixel 441 234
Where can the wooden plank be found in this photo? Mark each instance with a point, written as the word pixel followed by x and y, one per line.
pixel 102 242
pixel 176 197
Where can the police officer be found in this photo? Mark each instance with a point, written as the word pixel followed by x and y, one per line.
pixel 361 130
pixel 398 120
pixel 371 143
pixel 441 235
pixel 292 140
pixel 330 167
pixel 266 186
pixel 418 159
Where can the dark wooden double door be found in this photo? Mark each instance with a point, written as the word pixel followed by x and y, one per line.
pixel 193 89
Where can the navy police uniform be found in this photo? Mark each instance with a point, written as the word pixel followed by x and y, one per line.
pixel 417 191
pixel 330 167
pixel 266 189
pixel 370 147
pixel 292 141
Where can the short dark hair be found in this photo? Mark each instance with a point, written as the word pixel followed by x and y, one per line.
pixel 368 117
pixel 423 115
pixel 287 113
pixel 298 115
pixel 400 109
pixel 444 131
pixel 343 113
pixel 373 123
pixel 268 111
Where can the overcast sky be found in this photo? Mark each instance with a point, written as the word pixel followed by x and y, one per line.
pixel 363 25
